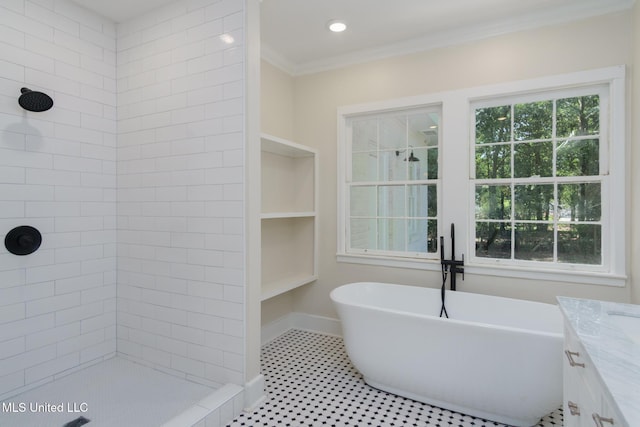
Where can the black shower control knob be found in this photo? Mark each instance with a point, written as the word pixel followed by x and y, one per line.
pixel 23 240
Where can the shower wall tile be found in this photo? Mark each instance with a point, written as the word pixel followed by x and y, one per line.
pixel 57 173
pixel 181 190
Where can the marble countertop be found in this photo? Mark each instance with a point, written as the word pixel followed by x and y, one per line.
pixel 615 356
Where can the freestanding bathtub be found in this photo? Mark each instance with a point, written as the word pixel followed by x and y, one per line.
pixel 494 358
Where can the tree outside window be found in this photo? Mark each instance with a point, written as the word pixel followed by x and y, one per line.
pixel 538 180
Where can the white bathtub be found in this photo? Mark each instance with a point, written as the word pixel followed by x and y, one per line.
pixel 494 358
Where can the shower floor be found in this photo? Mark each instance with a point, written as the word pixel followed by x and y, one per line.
pixel 116 392
pixel 311 382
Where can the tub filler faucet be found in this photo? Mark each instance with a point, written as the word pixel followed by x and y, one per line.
pixel 449 266
pixel 452 265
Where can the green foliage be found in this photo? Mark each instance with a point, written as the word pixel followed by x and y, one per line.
pixel 541 217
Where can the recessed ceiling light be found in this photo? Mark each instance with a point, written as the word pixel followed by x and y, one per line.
pixel 336 26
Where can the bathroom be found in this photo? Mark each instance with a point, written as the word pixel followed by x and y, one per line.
pixel 142 183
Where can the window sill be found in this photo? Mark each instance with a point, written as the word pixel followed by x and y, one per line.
pixel 590 278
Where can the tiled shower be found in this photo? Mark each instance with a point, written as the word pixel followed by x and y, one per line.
pixel 135 180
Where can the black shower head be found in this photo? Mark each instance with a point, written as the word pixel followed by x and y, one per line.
pixel 34 101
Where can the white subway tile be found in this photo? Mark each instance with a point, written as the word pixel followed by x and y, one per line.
pixel 26 192
pixel 23 23
pixel 205 322
pixel 50 50
pixel 79 342
pixel 97 37
pixel 52 335
pixel 223 8
pixel 105 349
pixel 12 347
pixel 29 358
pixel 12 175
pixel 156 32
pixel 78 194
pixel 26 159
pixel 190 366
pixel 12 209
pixel 52 304
pixel 79 313
pixel 11 313
pixel 26 326
pixel 225 276
pixel 51 177
pixel 77 44
pixel 207 62
pixel 206 289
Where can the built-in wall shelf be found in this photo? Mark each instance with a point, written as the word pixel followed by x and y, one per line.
pixel 289 226
pixel 275 215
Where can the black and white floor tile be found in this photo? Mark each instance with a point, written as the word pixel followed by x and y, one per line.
pixel 311 382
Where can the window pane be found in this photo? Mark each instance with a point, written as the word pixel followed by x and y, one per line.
pixel 393 132
pixel 422 201
pixel 579 202
pixel 423 130
pixel 432 235
pixel 391 200
pixel 533 120
pixel 392 166
pixel 534 202
pixel 417 235
pixel 493 161
pixel 578 116
pixel 578 158
pixel 534 242
pixel 493 124
pixel 533 159
pixel 391 234
pixel 493 202
pixel 363 201
pixel 364 167
pixel 432 163
pixel 580 243
pixel 418 163
pixel 493 239
pixel 363 233
pixel 365 135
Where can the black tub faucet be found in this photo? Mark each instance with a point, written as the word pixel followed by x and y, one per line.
pixel 452 265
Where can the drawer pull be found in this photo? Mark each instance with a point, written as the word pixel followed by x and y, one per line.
pixel 600 420
pixel 573 408
pixel 570 355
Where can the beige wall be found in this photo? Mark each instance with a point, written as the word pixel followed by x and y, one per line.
pixel 589 44
pixel 276 117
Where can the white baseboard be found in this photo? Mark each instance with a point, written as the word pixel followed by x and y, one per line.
pixel 254 393
pixel 303 321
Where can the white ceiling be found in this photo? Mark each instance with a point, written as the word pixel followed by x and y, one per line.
pixel 295 37
pixel 122 10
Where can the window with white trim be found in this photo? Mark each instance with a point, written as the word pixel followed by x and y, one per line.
pixel 539 171
pixel 392 183
pixel 532 173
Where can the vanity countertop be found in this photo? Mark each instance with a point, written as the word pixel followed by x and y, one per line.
pixel 611 351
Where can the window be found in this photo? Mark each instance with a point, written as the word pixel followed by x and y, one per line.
pixel 393 183
pixel 539 178
pixel 531 172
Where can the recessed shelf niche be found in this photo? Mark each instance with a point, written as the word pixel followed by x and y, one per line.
pixel 288 215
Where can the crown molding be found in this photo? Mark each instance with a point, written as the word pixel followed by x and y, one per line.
pixel 452 37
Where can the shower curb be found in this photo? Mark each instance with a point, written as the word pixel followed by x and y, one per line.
pixel 219 408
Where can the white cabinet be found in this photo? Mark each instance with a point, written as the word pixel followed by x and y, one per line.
pixel 586 401
pixel 289 226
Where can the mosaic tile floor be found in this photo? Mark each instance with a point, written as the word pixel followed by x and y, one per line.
pixel 311 382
